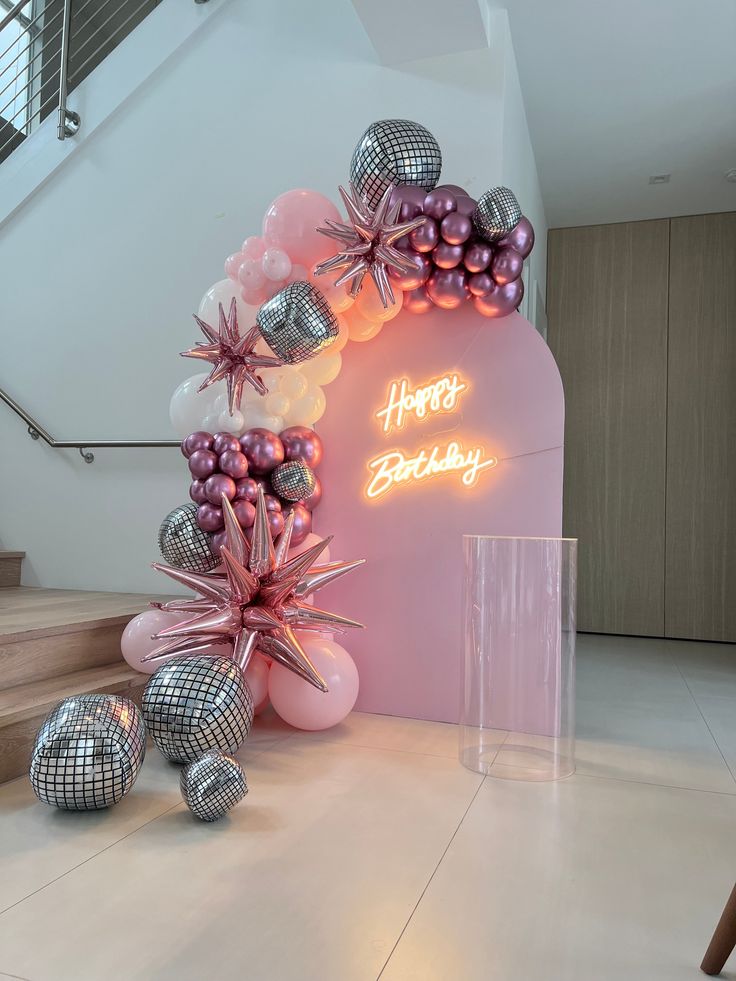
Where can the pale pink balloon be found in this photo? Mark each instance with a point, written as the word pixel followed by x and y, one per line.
pixel 291 223
pixel 276 264
pixel 233 264
pixel 251 275
pixel 306 707
pixel 256 674
pixel 137 641
pixel 253 247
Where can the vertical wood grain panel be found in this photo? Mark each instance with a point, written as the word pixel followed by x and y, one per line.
pixel 607 310
pixel 701 430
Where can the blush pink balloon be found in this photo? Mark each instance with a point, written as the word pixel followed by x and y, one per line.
pixel 502 300
pixel 291 223
pixel 306 707
pixel 256 674
pixel 233 264
pixel 137 641
pixel 253 247
pixel 251 275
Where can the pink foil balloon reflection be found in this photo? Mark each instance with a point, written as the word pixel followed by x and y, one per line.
pixel 304 706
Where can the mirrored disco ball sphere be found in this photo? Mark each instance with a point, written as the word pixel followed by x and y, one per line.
pixel 88 752
pixel 395 151
pixel 193 704
pixel 496 214
pixel 183 543
pixel 293 480
pixel 298 322
pixel 212 785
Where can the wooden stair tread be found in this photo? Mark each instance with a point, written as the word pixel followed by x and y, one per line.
pixel 39 697
pixel 27 612
pixel 5 554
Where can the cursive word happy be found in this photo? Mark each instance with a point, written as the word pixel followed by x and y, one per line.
pixel 439 395
pixel 395 467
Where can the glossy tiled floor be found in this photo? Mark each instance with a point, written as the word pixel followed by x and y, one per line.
pixel 369 852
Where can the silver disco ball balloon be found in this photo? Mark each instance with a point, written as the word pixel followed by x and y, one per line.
pixel 297 322
pixel 293 480
pixel 212 785
pixel 496 214
pixel 88 752
pixel 183 543
pixel 193 704
pixel 395 151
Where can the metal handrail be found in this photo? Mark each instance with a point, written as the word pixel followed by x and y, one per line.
pixel 37 431
pixel 13 13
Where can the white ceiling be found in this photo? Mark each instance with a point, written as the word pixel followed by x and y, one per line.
pixel 618 91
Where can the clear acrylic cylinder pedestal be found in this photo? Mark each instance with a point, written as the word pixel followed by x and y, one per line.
pixel 517 708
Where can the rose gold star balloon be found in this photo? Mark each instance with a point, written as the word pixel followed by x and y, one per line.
pixel 368 243
pixel 232 356
pixel 259 601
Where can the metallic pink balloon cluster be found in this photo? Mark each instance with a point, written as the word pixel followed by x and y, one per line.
pixel 223 464
pixel 451 262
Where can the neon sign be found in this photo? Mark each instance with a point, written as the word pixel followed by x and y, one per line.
pixel 396 466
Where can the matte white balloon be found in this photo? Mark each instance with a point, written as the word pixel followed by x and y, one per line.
pixel 188 407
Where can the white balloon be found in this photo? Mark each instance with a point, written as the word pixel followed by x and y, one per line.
pixel 234 423
pixel 188 407
pixel 308 409
pixel 324 368
pixel 223 293
pixel 276 404
pixel 211 423
pixel 293 383
pixel 257 419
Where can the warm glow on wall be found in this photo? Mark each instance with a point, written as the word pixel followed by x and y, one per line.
pixel 405 402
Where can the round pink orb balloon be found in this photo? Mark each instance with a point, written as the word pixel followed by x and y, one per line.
pixel 446 256
pixel 419 275
pixel 502 300
pixel 477 257
pixel 481 284
pixel 197 491
pixel 302 443
pixel 234 463
pixel 417 300
pixel 256 674
pixel 233 264
pixel 291 223
pixel 448 288
pixel 222 442
pixel 455 188
pixel 217 485
pixel 306 707
pixel 424 238
pixel 250 275
pixel 276 264
pixel 466 205
pixel 311 502
pixel 456 228
pixel 209 517
pixel 217 540
pixel 411 198
pixel 253 247
pixel 272 502
pixel 197 441
pixel 507 265
pixel 439 202
pixel 245 512
pixel 521 238
pixel 246 490
pixel 137 640
pixel 302 523
pixel 276 523
pixel 263 449
pixel 202 463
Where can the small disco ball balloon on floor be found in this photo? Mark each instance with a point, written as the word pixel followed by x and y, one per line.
pixel 212 785
pixel 194 704
pixel 183 543
pixel 88 752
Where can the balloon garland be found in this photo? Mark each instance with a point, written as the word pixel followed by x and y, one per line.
pixel 274 332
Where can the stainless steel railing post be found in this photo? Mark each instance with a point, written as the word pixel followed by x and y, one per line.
pixel 68 119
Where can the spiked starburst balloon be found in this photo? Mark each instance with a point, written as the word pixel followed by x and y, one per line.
pixel 368 243
pixel 259 601
pixel 232 356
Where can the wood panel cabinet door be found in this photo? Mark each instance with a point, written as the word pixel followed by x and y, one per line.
pixel 607 311
pixel 700 582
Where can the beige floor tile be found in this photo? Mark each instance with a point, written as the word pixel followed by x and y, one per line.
pixel 573 881
pixel 708 669
pixel 720 717
pixel 312 877
pixel 389 732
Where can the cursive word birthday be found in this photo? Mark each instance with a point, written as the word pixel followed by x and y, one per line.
pixel 395 467
pixel 439 395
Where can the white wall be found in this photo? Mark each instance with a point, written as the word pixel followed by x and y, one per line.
pixel 103 267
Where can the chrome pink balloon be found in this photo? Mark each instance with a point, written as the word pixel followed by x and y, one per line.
pixel 244 512
pixel 263 449
pixel 446 256
pixel 202 463
pixel 520 238
pixel 481 284
pixel 448 288
pixel 217 485
pixel 410 199
pixel 272 502
pixel 311 502
pixel 478 256
pixel 247 490
pixel 502 300
pixel 506 265
pixel 197 441
pixel 209 517
pixel 439 202
pixel 424 238
pixel 302 523
pixel 456 229
pixel 423 269
pixel 276 523
pixel 302 443
pixel 466 205
pixel 234 463
pixel 224 441
pixel 196 491
pixel 417 300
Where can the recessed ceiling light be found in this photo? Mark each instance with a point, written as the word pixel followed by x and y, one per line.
pixel 730 175
pixel 660 178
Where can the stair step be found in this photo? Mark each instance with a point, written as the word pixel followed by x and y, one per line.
pixel 45 633
pixel 10 563
pixel 24 707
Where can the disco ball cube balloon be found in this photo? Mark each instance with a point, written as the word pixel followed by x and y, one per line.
pixel 496 214
pixel 395 151
pixel 298 323
pixel 88 752
pixel 212 785
pixel 183 543
pixel 194 704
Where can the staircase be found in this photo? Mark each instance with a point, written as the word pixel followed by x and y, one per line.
pixel 55 643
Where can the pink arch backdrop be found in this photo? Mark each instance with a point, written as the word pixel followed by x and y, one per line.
pixel 409 592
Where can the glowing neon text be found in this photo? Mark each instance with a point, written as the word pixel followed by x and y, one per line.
pixel 439 395
pixel 395 467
